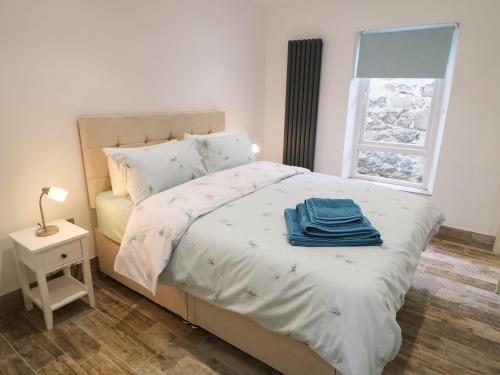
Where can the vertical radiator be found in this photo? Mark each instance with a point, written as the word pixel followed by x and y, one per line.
pixel 302 94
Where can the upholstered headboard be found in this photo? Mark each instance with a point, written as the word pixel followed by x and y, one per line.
pixel 97 132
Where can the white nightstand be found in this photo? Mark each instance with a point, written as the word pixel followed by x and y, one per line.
pixel 47 254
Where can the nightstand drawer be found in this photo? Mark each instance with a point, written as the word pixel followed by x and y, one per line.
pixel 62 254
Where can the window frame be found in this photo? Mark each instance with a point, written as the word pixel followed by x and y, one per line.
pixel 428 150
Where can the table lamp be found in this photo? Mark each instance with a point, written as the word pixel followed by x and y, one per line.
pixel 56 194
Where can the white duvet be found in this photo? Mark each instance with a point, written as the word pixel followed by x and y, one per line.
pixel 230 248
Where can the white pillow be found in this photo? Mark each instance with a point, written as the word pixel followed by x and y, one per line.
pixel 118 180
pixel 152 169
pixel 225 151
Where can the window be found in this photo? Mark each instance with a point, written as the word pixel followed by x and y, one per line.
pixel 397 122
pixel 395 125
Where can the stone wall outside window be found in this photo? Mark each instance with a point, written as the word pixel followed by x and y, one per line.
pixel 398 112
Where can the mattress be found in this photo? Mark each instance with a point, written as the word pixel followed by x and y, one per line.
pixel 113 213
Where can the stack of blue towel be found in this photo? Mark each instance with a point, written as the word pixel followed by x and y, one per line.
pixel 329 222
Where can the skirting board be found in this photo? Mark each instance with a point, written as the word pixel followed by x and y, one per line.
pixel 463 237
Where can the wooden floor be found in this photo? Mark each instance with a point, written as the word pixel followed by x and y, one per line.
pixel 450 324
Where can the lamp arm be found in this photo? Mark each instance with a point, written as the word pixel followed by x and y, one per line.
pixel 41 209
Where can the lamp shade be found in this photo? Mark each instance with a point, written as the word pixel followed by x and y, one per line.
pixel 57 194
pixel 255 148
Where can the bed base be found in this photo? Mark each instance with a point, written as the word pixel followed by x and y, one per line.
pixel 283 353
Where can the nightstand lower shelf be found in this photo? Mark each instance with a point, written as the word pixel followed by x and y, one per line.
pixel 62 290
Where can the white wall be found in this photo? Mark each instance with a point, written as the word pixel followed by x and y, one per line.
pixel 60 59
pixel 468 176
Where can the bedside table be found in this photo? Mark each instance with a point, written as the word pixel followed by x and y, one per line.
pixel 46 254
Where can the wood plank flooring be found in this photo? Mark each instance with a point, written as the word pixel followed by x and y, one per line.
pixel 450 323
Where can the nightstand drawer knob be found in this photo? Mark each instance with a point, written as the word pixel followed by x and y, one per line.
pixel 64 255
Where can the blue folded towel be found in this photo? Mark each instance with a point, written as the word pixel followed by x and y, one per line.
pixel 363 229
pixel 333 211
pixel 297 237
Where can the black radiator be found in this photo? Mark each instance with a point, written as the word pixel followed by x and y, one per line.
pixel 302 94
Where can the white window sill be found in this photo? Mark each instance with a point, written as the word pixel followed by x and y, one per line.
pixel 409 189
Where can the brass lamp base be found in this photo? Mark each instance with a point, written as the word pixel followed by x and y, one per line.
pixel 49 230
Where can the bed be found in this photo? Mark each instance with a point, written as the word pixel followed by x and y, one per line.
pixel 205 298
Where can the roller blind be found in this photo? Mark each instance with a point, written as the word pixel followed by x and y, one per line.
pixel 405 53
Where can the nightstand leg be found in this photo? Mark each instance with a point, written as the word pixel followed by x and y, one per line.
pixel 87 276
pixel 44 296
pixel 67 271
pixel 23 280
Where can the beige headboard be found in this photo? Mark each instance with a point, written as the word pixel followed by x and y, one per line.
pixel 97 132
